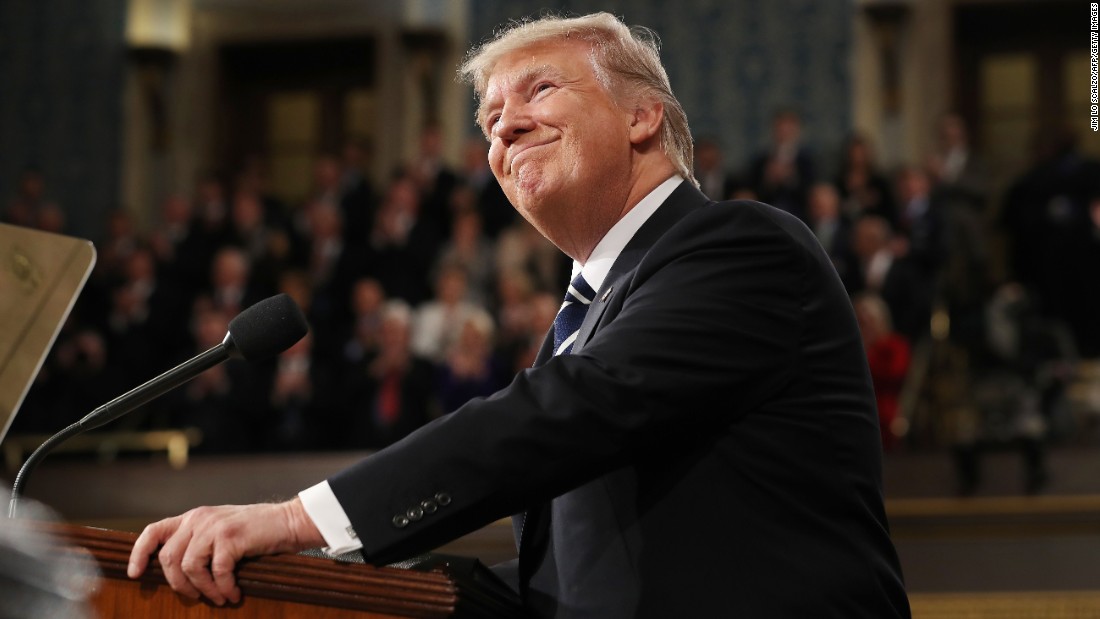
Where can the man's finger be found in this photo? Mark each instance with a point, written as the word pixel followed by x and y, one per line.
pixel 171 556
pixel 147 543
pixel 221 568
pixel 195 566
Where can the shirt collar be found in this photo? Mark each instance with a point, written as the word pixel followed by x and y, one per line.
pixel 612 244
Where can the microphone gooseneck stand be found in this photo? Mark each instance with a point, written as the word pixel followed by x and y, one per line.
pixel 120 406
pixel 259 332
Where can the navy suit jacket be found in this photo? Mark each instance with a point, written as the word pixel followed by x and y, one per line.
pixel 710 447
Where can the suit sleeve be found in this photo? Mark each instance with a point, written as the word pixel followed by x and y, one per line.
pixel 707 329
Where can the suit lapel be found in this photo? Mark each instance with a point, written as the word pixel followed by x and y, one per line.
pixel 679 203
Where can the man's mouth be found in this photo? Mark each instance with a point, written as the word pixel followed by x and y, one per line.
pixel 523 150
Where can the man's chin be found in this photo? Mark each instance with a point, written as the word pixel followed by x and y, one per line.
pixel 530 191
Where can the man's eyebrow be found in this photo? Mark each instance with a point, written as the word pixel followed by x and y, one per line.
pixel 530 74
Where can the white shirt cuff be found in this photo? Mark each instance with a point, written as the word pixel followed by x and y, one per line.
pixel 330 518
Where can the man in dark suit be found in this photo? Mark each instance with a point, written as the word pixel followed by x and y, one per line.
pixel 783 173
pixel 702 443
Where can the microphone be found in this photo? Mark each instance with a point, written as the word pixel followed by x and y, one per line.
pixel 259 332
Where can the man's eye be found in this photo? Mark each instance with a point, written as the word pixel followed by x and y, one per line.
pixel 543 86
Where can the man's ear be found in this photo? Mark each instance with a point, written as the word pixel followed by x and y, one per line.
pixel 646 121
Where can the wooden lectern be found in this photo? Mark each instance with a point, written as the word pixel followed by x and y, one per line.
pixel 286 586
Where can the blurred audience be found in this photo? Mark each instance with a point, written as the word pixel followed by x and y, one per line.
pixel 231 287
pixel 470 369
pixel 522 248
pixel 391 393
pixel 959 188
pixel 896 278
pixel 831 226
pixel 469 248
pixel 1047 217
pixel 301 390
pixel 920 232
pixel 1018 388
pixel 888 355
pixel 864 188
pixel 428 289
pixel 403 245
pixel 715 181
pixel 30 207
pixel 358 195
pixel 781 174
pixel 496 212
pixel 225 403
pixel 435 179
pixel 437 323
pixel 959 174
pixel 361 336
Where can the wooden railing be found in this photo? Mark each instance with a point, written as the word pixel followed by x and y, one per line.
pixel 284 586
pixel 106 445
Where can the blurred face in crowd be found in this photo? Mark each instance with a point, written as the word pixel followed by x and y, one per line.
pixel 325 223
pixel 912 183
pixel 326 173
pixel 824 202
pixel 473 154
pixel 544 307
pixel 297 285
pixel 31 186
pixel 786 128
pixel 872 319
pixel 431 142
pixel 451 286
pixel 176 210
pixel 141 266
pixel 210 190
pixel 394 335
pixel 230 268
pixel 367 296
pixel 952 131
pixel 869 236
pixel 707 157
pixel 560 145
pixel 403 196
pixel 248 213
pixel 120 225
pixel 467 228
pixel 210 327
pixel 859 154
pixel 476 335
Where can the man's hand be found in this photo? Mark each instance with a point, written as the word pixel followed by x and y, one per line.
pixel 200 549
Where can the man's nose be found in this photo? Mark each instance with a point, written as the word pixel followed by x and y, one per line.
pixel 515 120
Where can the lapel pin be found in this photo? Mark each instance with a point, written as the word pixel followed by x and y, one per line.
pixel 606 294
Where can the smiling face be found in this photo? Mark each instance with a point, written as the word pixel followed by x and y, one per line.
pixel 561 148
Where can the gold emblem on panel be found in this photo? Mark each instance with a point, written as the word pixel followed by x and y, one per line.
pixel 24 269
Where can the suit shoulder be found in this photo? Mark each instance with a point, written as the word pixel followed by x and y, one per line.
pixel 740 215
pixel 746 224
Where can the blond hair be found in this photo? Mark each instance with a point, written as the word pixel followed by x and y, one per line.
pixel 626 61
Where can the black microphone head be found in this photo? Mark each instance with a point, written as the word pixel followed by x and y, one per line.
pixel 267 328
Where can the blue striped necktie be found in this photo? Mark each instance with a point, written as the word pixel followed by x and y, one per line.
pixel 571 315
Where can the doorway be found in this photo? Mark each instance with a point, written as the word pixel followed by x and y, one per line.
pixel 285 103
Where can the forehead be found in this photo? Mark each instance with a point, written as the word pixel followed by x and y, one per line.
pixel 559 58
